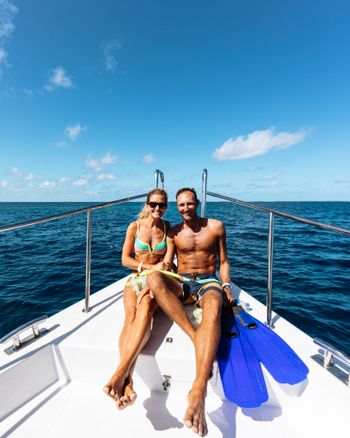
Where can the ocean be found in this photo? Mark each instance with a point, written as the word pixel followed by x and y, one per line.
pixel 43 266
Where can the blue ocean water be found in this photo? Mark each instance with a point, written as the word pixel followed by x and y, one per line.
pixel 43 266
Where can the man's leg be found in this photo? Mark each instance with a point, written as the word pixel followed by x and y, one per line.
pixel 206 343
pixel 166 290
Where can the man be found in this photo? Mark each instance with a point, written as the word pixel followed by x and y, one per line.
pixel 198 243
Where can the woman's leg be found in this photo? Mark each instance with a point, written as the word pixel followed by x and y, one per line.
pixel 130 302
pixel 134 336
pixel 145 314
pixel 113 387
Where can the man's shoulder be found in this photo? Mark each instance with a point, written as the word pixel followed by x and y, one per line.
pixel 215 223
pixel 217 227
pixel 175 229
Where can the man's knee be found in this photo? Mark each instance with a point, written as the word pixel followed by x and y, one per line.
pixel 211 303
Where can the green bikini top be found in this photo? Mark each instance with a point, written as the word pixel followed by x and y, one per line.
pixel 140 246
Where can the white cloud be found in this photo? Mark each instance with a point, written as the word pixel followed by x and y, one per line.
pixel 74 131
pixel 93 163
pixel 15 171
pixel 257 143
pixel 105 177
pixel 271 177
pixel 109 50
pixel 148 159
pixel 28 92
pixel 29 176
pixel 59 79
pixel 19 174
pixel 99 163
pixel 7 12
pixel 342 181
pixel 108 158
pixel 3 183
pixel 80 182
pixel 64 179
pixel 62 144
pixel 253 169
pixel 3 55
pixel 47 185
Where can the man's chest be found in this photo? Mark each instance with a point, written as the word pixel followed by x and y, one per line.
pixel 189 241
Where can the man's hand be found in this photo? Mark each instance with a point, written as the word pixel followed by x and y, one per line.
pixel 228 295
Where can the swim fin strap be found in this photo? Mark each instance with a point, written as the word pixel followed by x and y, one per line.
pixel 284 365
pixel 241 375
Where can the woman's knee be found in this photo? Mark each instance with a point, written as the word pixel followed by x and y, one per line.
pixel 146 308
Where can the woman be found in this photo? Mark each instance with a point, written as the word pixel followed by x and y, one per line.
pixel 144 248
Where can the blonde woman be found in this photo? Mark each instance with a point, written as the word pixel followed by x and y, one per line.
pixel 144 248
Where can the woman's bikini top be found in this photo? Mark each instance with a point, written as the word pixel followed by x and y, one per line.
pixel 140 246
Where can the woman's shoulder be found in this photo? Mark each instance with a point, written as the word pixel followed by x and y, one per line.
pixel 133 226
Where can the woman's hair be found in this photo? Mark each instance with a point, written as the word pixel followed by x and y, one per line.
pixel 144 212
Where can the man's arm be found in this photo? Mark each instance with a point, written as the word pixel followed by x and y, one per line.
pixel 224 265
pixel 170 253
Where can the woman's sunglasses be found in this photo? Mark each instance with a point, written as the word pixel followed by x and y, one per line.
pixel 161 205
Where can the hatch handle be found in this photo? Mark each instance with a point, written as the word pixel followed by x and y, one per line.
pixel 14 334
pixel 329 353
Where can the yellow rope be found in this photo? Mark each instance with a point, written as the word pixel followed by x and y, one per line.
pixel 169 273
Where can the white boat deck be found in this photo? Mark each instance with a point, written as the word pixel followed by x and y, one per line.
pixel 53 387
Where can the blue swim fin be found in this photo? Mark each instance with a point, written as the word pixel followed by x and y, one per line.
pixel 284 365
pixel 240 370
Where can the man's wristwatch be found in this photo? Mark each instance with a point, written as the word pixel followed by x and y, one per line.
pixel 226 286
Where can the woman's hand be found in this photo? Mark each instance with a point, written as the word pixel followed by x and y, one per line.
pixel 161 265
pixel 145 291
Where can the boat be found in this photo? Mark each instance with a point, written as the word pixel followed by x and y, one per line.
pixel 52 370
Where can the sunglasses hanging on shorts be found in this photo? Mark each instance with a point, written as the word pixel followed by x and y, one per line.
pixel 161 205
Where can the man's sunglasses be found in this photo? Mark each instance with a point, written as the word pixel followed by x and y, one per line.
pixel 161 205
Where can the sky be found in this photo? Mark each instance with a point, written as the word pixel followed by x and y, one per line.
pixel 94 96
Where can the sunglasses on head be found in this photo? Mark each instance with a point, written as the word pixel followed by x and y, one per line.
pixel 160 204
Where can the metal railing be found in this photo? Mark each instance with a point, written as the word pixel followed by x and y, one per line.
pixel 204 193
pixel 158 176
pixel 272 213
pixel 87 210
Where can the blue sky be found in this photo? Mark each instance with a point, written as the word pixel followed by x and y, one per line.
pixel 94 96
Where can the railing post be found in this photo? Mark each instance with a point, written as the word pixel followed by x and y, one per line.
pixel 158 175
pixel 88 262
pixel 269 273
pixel 204 192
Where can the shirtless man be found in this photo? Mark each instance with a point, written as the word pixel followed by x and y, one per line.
pixel 198 243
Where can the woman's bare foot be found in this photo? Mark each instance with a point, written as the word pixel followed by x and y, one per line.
pixel 115 387
pixel 194 417
pixel 129 395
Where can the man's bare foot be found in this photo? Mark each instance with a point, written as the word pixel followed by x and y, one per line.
pixel 115 387
pixel 129 395
pixel 194 417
